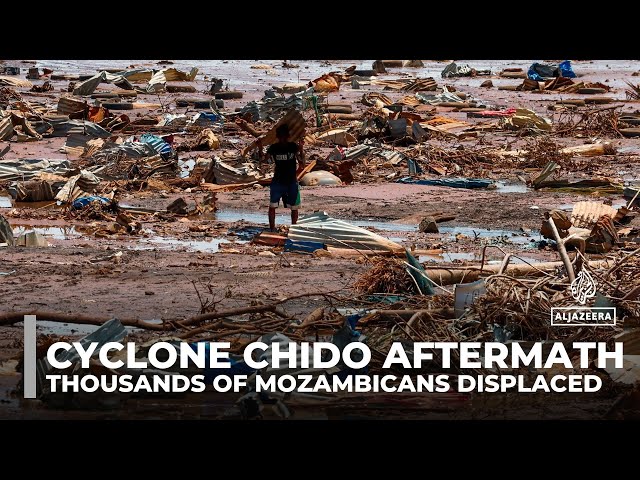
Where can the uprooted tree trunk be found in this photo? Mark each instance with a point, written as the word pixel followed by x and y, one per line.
pixel 15 317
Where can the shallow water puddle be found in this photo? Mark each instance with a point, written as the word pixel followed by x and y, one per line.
pixel 58 233
pixel 5 202
pixel 510 235
pixel 473 232
pixel 504 187
pixel 285 218
pixel 211 245
pixel 252 217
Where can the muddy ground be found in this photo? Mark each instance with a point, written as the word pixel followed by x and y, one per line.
pixel 165 271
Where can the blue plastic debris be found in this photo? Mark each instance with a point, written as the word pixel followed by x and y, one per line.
pixel 353 315
pixel 540 71
pixel 302 246
pixel 206 118
pixel 533 75
pixel 566 70
pixel 449 182
pixel 353 319
pixel 84 201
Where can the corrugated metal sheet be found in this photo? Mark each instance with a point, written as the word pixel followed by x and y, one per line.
pixel 89 86
pixel 68 105
pixel 320 227
pixel 131 149
pixel 83 127
pixel 337 136
pixel 29 168
pixel 394 156
pixel 111 331
pixel 372 99
pixel 34 191
pixel 6 128
pixel 272 105
pixel 409 84
pixel 297 127
pixel 92 146
pixel 6 233
pixel 356 151
pixel 83 183
pixel 159 79
pixel 224 174
pixel 77 139
pixel 76 143
pixel 157 143
pixel 445 96
pixel 587 214
pixel 173 75
pixel 138 75
pixel 15 82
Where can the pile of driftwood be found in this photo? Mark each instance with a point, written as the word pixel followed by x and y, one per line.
pixel 601 122
pixel 386 276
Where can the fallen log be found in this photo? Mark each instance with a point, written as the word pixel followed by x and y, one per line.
pixel 342 116
pixel 181 89
pixel 350 252
pixel 337 108
pixel 450 276
pixel 15 317
pixel 589 150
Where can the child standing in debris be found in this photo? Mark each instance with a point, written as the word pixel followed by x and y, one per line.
pixel 289 162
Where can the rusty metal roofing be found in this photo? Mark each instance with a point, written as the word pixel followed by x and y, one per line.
pixel 297 127
pixel 587 214
pixel 6 128
pixel 15 82
pixel 76 143
pixel 68 105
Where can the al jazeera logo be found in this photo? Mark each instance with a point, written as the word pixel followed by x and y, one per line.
pixel 583 288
